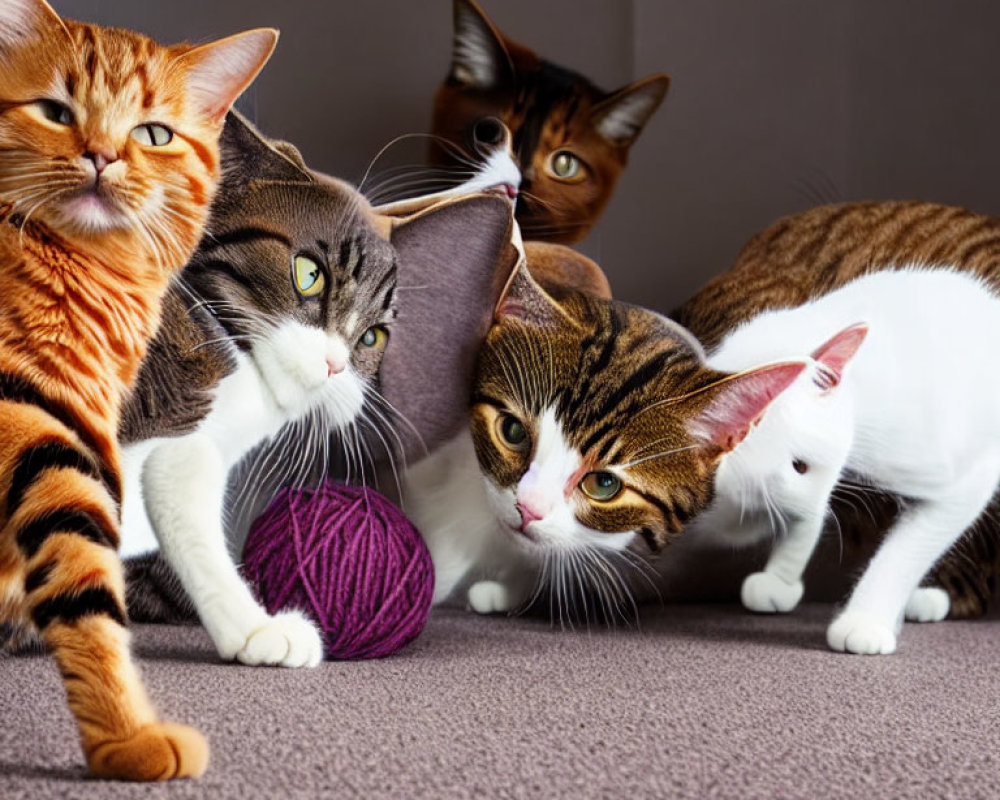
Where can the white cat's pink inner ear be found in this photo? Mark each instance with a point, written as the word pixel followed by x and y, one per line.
pixel 739 402
pixel 835 353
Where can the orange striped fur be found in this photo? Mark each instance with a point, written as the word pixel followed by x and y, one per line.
pixel 95 216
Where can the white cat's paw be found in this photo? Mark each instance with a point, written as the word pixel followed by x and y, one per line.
pixel 287 639
pixel 928 604
pixel 490 597
pixel 766 593
pixel 862 633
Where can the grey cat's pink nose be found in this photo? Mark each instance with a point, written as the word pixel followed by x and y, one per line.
pixel 334 367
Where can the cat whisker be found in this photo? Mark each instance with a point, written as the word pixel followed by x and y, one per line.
pixel 663 454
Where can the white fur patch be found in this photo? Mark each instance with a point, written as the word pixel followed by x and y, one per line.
pixel 474 54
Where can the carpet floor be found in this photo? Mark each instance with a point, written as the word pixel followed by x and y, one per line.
pixel 702 701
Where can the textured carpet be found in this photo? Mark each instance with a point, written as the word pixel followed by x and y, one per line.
pixel 703 701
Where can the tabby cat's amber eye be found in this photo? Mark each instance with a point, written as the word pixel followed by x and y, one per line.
pixel 565 165
pixel 54 111
pixel 308 275
pixel 374 337
pixel 601 486
pixel 512 432
pixel 153 134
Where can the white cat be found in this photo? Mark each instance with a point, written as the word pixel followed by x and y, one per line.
pixel 911 408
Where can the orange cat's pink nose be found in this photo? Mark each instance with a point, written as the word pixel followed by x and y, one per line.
pixel 101 157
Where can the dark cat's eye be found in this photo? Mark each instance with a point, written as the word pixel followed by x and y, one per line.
pixel 307 275
pixel 512 432
pixel 56 112
pixel 376 336
pixel 152 134
pixel 601 486
pixel 565 165
pixel 489 130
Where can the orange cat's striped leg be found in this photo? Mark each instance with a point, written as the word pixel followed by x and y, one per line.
pixel 62 519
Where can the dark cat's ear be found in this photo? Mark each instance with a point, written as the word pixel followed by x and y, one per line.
pixel 836 352
pixel 248 155
pixel 454 258
pixel 621 116
pixel 217 73
pixel 24 20
pixel 558 268
pixel 479 59
pixel 732 405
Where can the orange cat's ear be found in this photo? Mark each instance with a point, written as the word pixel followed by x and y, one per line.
pixel 524 299
pixel 558 268
pixel 218 72
pixel 620 117
pixel 479 59
pixel 735 403
pixel 24 20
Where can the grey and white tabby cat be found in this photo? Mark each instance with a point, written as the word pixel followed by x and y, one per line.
pixel 279 324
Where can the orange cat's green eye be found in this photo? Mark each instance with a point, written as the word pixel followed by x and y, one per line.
pixel 308 276
pixel 376 336
pixel 601 486
pixel 512 432
pixel 55 112
pixel 565 165
pixel 152 134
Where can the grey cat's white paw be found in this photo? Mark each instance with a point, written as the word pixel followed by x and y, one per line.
pixel 287 639
pixel 766 593
pixel 861 633
pixel 928 604
pixel 490 597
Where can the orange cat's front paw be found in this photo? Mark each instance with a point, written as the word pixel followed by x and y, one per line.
pixel 160 751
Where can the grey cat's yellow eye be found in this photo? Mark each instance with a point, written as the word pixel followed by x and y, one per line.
pixel 308 275
pixel 601 486
pixel 55 112
pixel 374 337
pixel 565 165
pixel 152 134
pixel 512 432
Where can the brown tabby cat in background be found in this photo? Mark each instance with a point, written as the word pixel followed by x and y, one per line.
pixel 571 139
pixel 808 255
pixel 108 164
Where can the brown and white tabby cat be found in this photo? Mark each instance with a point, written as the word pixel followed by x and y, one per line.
pixel 808 255
pixel 580 433
pixel 571 139
pixel 108 163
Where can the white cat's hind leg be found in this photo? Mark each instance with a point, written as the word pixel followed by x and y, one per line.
pixel 874 614
pixel 184 482
pixel 927 604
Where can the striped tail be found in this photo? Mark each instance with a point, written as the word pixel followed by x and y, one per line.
pixel 61 532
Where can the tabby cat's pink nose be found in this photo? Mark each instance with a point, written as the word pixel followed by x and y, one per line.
pixel 334 366
pixel 528 515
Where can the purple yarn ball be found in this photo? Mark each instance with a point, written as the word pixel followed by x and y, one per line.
pixel 348 558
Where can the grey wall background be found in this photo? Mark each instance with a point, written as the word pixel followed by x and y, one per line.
pixel 776 105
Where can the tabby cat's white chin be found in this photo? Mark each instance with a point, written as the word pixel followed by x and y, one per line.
pixel 303 367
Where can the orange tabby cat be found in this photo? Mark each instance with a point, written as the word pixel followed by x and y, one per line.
pixel 108 163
